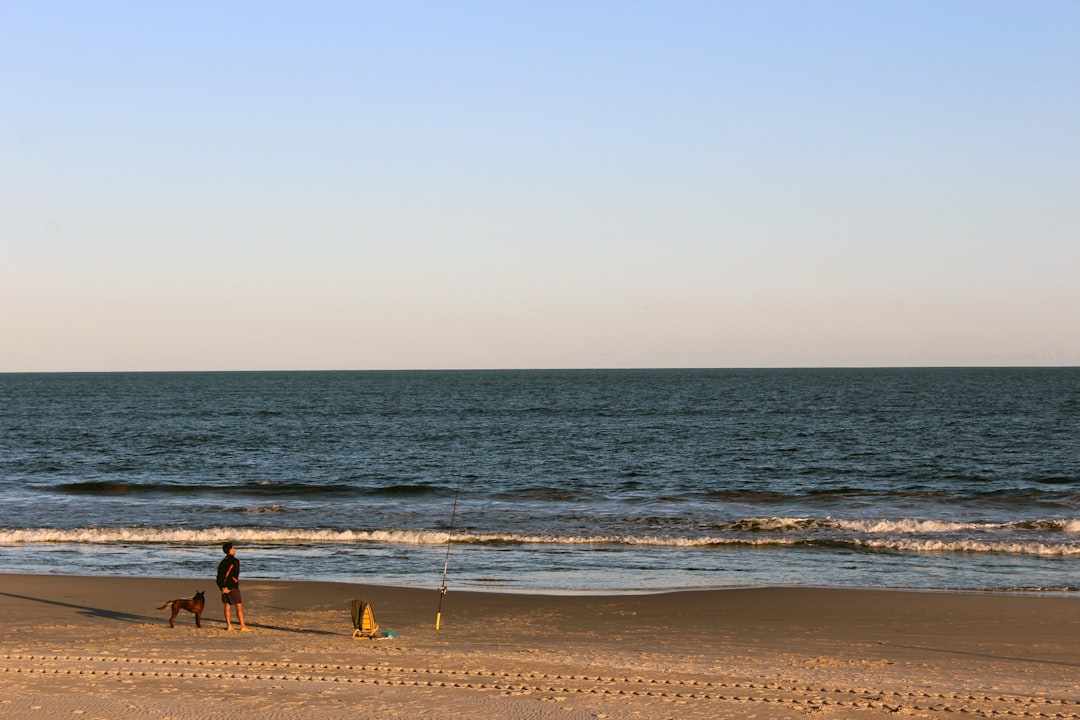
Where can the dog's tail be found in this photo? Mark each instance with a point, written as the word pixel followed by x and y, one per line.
pixel 166 604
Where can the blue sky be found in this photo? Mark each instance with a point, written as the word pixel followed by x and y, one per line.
pixel 330 185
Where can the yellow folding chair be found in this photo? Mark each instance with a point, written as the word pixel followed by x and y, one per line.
pixel 364 625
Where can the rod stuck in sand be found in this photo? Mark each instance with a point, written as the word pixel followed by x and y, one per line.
pixel 449 544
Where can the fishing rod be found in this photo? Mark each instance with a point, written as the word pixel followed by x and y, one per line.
pixel 449 543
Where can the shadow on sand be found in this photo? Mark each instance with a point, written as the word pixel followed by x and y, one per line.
pixel 130 618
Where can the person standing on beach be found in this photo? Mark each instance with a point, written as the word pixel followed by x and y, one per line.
pixel 228 581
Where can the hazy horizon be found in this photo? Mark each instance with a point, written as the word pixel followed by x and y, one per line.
pixel 270 371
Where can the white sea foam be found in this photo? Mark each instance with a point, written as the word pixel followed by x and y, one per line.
pixel 1064 525
pixel 911 526
pixel 151 536
pixel 971 546
pixel 901 526
pixel 897 542
pixel 111 536
pixel 905 526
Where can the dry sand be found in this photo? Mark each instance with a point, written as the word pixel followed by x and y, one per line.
pixel 99 648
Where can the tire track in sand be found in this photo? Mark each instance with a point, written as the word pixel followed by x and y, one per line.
pixel 807 697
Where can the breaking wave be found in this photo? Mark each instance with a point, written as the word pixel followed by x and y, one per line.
pixel 865 538
pixel 899 527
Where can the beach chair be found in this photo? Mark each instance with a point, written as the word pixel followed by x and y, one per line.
pixel 363 620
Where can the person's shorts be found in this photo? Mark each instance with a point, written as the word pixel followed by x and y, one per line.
pixel 232 597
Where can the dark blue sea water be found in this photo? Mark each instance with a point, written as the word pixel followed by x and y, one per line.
pixel 561 480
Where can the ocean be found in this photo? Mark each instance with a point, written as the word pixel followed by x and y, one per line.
pixel 575 481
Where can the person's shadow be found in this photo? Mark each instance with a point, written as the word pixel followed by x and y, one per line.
pixel 87 611
pixel 130 618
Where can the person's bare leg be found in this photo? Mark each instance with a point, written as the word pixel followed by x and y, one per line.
pixel 240 615
pixel 228 617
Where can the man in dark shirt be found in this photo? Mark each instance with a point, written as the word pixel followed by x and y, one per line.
pixel 228 580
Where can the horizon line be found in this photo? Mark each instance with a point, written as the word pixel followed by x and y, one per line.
pixel 541 369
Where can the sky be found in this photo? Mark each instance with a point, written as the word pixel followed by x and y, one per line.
pixel 552 184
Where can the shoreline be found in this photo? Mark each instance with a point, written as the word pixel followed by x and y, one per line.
pixel 1064 591
pixel 98 646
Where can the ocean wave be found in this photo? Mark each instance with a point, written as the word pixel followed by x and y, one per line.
pixel 1055 494
pixel 308 536
pixel 1058 480
pixel 911 526
pixel 185 536
pixel 1032 589
pixel 400 490
pixel 970 546
pixel 1052 494
pixel 255 489
pixel 213 536
pixel 1063 525
pixel 262 510
pixel 540 493
pixel 903 526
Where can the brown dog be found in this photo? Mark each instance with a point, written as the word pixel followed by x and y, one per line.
pixel 193 604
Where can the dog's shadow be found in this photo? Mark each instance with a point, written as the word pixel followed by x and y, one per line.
pixel 131 618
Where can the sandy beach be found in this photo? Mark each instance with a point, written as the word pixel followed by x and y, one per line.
pixel 99 648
